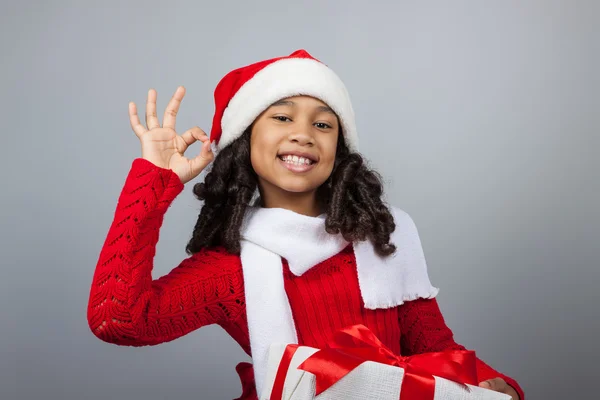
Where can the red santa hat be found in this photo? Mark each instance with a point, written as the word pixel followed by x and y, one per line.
pixel 244 93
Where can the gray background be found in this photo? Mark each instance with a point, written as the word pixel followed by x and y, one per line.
pixel 482 117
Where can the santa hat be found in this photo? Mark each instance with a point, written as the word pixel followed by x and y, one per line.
pixel 243 94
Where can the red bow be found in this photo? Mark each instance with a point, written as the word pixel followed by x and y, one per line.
pixel 356 344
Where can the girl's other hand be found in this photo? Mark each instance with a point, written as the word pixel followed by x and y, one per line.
pixel 500 385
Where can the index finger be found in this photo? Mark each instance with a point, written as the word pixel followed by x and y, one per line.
pixel 173 108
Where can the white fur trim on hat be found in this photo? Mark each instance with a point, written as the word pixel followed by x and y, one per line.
pixel 286 78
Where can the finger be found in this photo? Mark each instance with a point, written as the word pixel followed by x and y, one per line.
pixel 193 134
pixel 151 118
pixel 496 384
pixel 485 384
pixel 204 158
pixel 134 120
pixel 173 108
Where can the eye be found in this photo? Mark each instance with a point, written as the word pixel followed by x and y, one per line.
pixel 323 125
pixel 281 118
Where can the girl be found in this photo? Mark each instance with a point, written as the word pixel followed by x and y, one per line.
pixel 293 241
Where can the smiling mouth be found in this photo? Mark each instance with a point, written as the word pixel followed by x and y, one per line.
pixel 297 164
pixel 296 160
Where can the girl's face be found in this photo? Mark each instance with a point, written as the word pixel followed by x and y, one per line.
pixel 292 148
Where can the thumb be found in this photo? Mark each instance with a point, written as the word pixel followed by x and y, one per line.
pixel 486 384
pixel 205 157
pixel 497 384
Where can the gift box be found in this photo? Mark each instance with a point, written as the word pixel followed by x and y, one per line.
pixel 359 366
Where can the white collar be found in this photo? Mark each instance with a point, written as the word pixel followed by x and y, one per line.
pixel 300 239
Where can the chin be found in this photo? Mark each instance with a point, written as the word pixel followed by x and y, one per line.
pixel 297 187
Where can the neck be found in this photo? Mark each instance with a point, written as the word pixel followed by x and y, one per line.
pixel 301 203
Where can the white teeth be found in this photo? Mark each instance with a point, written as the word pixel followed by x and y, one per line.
pixel 296 160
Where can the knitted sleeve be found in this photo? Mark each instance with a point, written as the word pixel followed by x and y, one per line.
pixel 126 306
pixel 424 330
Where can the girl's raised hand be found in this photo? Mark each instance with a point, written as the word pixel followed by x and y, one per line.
pixel 162 146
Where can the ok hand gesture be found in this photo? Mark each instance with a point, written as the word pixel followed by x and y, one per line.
pixel 162 146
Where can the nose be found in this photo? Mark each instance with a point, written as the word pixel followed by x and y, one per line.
pixel 302 135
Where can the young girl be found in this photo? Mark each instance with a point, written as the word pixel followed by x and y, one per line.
pixel 293 241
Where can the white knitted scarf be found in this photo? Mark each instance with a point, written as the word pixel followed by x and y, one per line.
pixel 268 234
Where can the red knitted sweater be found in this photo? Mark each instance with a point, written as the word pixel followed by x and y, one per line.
pixel 127 307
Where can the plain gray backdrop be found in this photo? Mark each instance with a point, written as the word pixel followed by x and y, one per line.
pixel 482 116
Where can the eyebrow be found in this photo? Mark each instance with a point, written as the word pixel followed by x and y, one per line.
pixel 292 104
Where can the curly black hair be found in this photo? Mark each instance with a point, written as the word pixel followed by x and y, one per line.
pixel 351 196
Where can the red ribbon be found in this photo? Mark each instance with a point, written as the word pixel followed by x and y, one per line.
pixel 356 344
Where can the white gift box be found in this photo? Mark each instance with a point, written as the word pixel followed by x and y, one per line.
pixel 369 381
